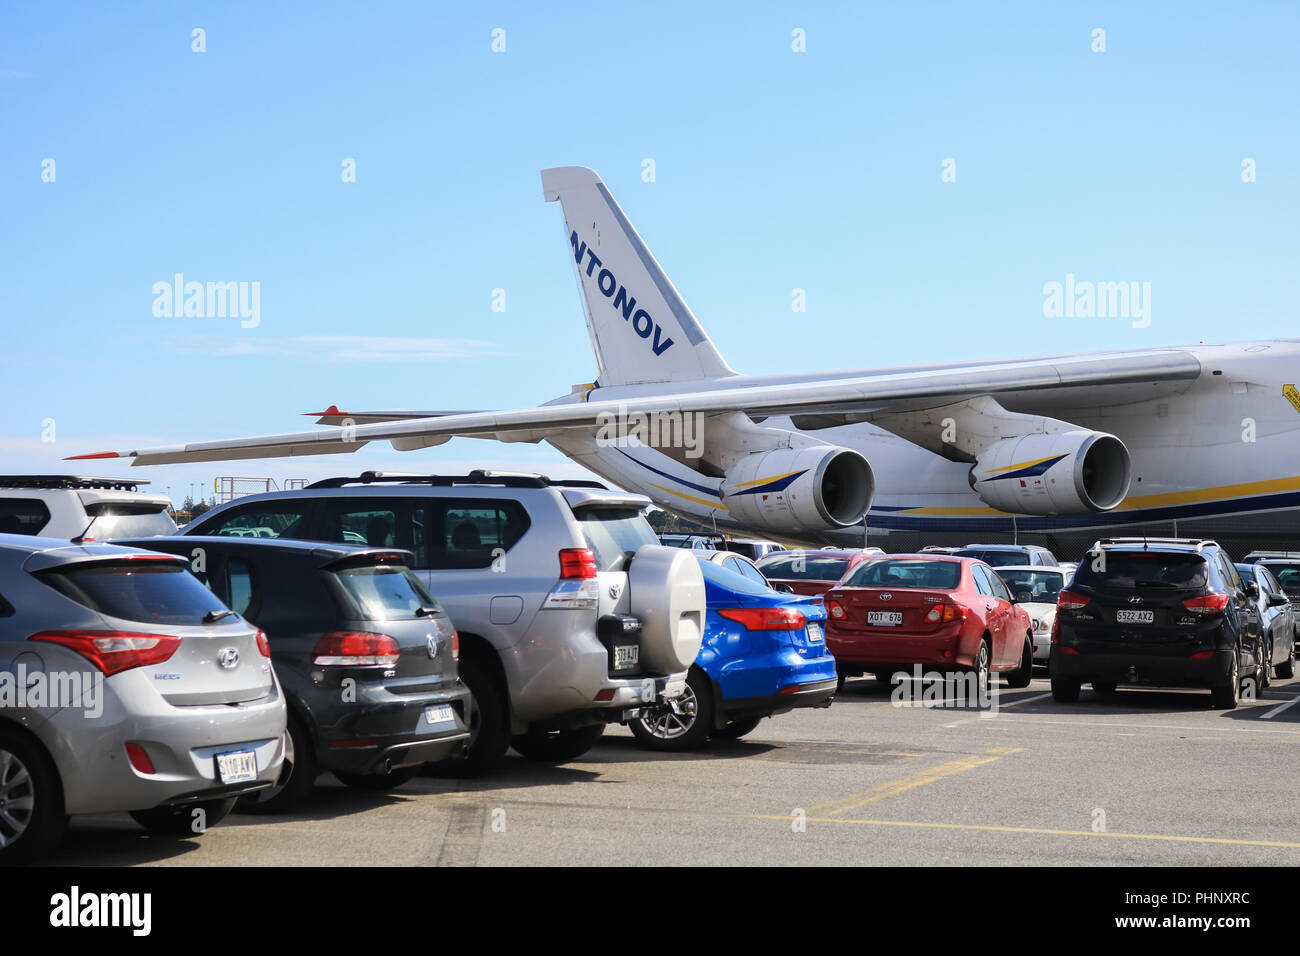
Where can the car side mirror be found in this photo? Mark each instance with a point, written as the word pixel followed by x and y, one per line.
pixel 1278 600
pixel 783 588
pixel 1252 589
pixel 1023 597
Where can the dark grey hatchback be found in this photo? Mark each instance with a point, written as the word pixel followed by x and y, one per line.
pixel 366 657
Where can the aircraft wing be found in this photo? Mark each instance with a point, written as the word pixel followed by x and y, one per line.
pixel 861 393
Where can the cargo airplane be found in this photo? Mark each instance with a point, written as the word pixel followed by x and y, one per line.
pixel 1202 440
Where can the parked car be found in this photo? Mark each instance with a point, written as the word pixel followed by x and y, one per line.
pixel 1283 565
pixel 764 653
pixel 691 542
pixel 1007 555
pixel 158 699
pixel 88 509
pixel 1278 619
pixel 811 572
pixel 743 566
pixel 366 657
pixel 752 548
pixel 1035 589
pixel 1156 611
pixel 938 611
pixel 571 615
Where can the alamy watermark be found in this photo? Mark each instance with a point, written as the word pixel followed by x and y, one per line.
pixel 683 430
pixel 208 300
pixel 1103 300
pixel 56 690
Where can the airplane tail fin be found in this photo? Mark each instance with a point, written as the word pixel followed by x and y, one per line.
pixel 641 329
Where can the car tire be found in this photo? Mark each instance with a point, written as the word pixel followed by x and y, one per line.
pixel 180 820
pixel 297 776
pixel 682 725
pixel 1065 690
pixel 1024 673
pixel 737 728
pixel 557 746
pixel 378 782
pixel 489 725
pixel 1286 670
pixel 982 668
pixel 1263 669
pixel 1227 696
pixel 28 833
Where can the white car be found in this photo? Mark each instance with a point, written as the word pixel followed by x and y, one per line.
pixel 87 509
pixel 1036 589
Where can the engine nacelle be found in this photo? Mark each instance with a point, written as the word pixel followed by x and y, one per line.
pixel 1063 473
pixel 800 489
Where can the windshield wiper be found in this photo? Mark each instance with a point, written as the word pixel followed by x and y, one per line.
pixel 212 617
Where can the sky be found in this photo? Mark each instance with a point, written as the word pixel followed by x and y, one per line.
pixel 920 171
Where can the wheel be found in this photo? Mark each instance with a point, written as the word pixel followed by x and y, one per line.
pixel 297 775
pixel 1263 667
pixel 1021 676
pixel 737 728
pixel 489 724
pixel 378 782
pixel 1227 696
pixel 186 819
pixel 1286 670
pixel 1104 688
pixel 1065 690
pixel 983 668
pixel 32 820
pixel 679 724
pixel 557 746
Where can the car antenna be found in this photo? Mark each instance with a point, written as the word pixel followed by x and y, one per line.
pixel 81 538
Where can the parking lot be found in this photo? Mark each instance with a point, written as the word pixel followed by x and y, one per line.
pixel 1149 777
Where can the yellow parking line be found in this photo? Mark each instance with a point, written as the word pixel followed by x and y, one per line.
pixel 1037 830
pixel 892 788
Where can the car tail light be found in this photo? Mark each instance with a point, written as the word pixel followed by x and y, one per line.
pixel 139 758
pixel 1208 604
pixel 114 651
pixel 766 618
pixel 1202 655
pixel 356 649
pixel 577 563
pixel 1056 631
pixel 836 610
pixel 455 645
pixel 945 612
pixel 263 645
pixel 1072 600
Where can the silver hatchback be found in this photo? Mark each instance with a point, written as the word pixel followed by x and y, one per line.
pixel 125 685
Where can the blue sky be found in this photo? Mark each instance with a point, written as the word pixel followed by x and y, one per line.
pixel 775 170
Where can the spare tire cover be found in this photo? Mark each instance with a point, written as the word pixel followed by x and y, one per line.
pixel 666 589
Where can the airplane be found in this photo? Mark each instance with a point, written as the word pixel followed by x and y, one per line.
pixel 1199 441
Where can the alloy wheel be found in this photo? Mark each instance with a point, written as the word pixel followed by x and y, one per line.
pixel 17 799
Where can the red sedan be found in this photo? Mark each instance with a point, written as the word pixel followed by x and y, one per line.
pixel 941 612
pixel 811 572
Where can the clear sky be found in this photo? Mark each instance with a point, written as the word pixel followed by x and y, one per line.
pixel 774 170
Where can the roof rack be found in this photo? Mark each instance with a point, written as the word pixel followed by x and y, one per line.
pixel 1197 543
pixel 69 481
pixel 480 476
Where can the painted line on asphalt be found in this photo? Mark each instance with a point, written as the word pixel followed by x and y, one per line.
pixel 1001 707
pixel 892 788
pixel 1039 831
pixel 1279 708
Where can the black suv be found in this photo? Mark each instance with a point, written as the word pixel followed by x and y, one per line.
pixel 1167 611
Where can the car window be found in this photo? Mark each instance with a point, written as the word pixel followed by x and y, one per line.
pixel 272 519
pixel 379 523
pixel 732 564
pixel 982 583
pixel 906 573
pixel 385 592
pixel 612 533
pixel 751 572
pixel 465 533
pixel 1041 587
pixel 796 566
pixel 993 555
pixel 23 516
pixel 239 585
pixel 999 586
pixel 1131 570
pixel 717 574
pixel 144 592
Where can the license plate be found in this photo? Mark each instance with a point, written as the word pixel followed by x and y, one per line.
pixel 890 618
pixel 1134 617
pixel 814 633
pixel 237 767
pixel 439 714
pixel 626 656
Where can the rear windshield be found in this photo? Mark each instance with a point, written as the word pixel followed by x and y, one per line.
pixel 386 592
pixel 803 567
pixel 991 556
pixel 150 525
pixel 613 533
pixel 1154 570
pixel 906 573
pixel 1035 587
pixel 146 592
pixel 1287 574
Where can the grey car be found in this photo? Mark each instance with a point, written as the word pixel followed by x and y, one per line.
pixel 125 685
pixel 571 615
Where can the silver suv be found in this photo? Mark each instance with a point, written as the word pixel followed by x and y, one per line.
pixel 570 613
pixel 74 506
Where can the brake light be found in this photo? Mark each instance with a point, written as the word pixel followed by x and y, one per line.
pixel 263 645
pixel 577 563
pixel 1207 605
pixel 945 612
pixel 114 651
pixel 766 618
pixel 1072 600
pixel 356 649
pixel 455 645
pixel 836 610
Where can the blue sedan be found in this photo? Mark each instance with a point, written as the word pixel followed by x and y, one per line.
pixel 764 653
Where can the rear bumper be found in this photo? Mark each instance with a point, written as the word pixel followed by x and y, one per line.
pixel 867 650
pixel 392 731
pixel 818 693
pixel 1139 668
